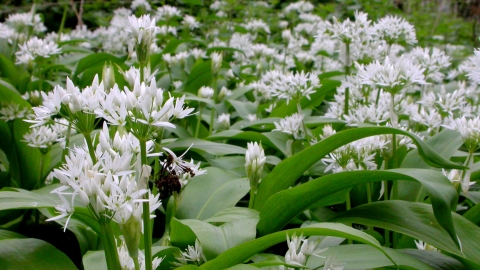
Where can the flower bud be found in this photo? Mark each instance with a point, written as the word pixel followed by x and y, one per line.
pixel 255 159
pixel 217 60
pixel 132 232
pixel 108 76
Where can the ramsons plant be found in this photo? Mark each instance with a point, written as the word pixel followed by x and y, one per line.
pixel 202 136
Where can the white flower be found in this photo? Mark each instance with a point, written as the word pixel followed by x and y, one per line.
pixel 290 125
pixel 22 21
pixel 254 162
pixel 141 3
pixel 190 22
pixel 392 77
pixel 167 12
pixel 469 130
pixel 12 111
pixel 217 59
pixel 295 86
pixel 41 137
pixel 393 29
pixel 35 48
pixel 474 72
pixel 206 92
pixel 224 120
pixel 192 254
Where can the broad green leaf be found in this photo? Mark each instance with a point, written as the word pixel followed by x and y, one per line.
pixel 435 259
pixel 7 69
pixel 250 136
pixel 417 220
pixel 317 98
pixel 172 45
pixel 243 108
pixel 169 255
pixel 95 260
pixel 201 75
pixel 215 240
pixel 233 213
pixel 289 170
pixel 96 59
pixel 24 199
pixel 245 251
pixel 282 207
pixel 210 193
pixel 445 143
pixel 6 234
pixel 32 253
pixel 202 146
pixel 365 257
pixel 243 267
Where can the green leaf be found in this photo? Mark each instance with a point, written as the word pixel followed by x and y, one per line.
pixel 365 257
pixel 6 234
pixel 210 193
pixel 233 213
pixel 445 143
pixel 421 224
pixel 96 59
pixel 32 253
pixel 24 199
pixel 245 251
pixel 7 69
pixel 202 146
pixel 215 240
pixel 285 205
pixel 201 75
pixel 289 170
pixel 243 108
pixel 250 136
pixel 435 259
pixel 95 260
pixel 319 96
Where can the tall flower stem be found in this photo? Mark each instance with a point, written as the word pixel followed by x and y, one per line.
pixel 251 202
pixel 347 72
pixel 199 120
pixel 91 150
pixel 142 71
pixel 147 226
pixel 349 206
pixel 307 137
pixel 110 246
pixel 67 142
pixel 215 97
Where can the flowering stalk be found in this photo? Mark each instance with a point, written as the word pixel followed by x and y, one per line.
pixel 307 137
pixel 199 120
pixel 212 114
pixel 347 72
pixel 67 142
pixel 147 229
pixel 110 246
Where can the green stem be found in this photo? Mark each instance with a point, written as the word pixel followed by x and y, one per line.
pixel 135 262
pixel 91 150
pixel 67 142
pixel 147 225
pixel 347 72
pixel 62 23
pixel 349 206
pixel 199 120
pixel 251 202
pixel 142 71
pixel 111 254
pixel 307 137
pixel 212 114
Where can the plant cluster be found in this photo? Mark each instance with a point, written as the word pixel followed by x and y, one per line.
pixel 168 139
